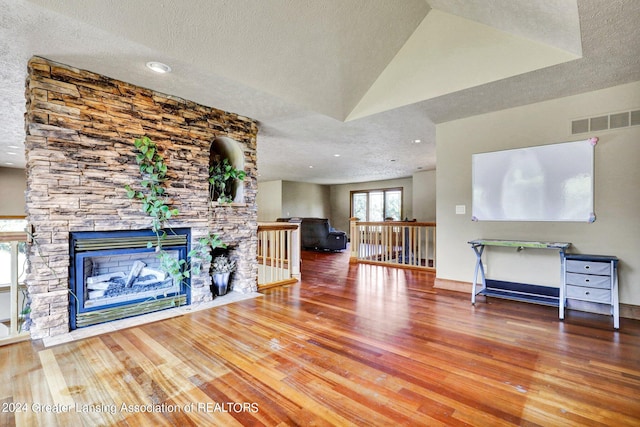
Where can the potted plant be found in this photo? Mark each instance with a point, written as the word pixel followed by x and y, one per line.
pixel 222 268
pixel 221 177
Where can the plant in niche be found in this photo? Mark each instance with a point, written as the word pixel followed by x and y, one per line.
pixel 222 174
pixel 157 205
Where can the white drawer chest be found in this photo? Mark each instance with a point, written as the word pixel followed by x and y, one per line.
pixel 591 278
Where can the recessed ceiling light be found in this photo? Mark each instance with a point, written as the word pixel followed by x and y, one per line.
pixel 336 155
pixel 13 146
pixel 417 141
pixel 310 167
pixel 158 67
pixel 11 153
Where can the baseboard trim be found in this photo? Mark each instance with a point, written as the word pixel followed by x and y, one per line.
pixel 453 285
pixel 628 311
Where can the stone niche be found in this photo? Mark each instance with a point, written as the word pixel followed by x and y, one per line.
pixel 80 131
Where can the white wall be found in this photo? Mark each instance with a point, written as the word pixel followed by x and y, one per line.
pixel 269 200
pixel 283 199
pixel 617 191
pixel 13 184
pixel 300 199
pixel 424 195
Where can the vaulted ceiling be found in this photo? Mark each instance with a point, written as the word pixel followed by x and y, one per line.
pixel 342 89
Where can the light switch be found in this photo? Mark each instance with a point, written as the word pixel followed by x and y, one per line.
pixel 461 209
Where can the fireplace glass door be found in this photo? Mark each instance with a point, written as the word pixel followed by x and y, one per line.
pixel 114 275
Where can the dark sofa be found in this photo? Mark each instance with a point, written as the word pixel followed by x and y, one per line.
pixel 317 234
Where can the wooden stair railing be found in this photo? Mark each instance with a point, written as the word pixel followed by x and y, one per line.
pixel 404 244
pixel 11 328
pixel 278 254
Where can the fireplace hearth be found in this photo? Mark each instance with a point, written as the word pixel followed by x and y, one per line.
pixel 115 275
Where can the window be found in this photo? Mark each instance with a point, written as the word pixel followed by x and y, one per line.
pixel 8 225
pixel 12 224
pixel 377 205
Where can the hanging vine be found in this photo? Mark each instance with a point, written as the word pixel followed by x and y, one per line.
pixel 157 205
pixel 153 168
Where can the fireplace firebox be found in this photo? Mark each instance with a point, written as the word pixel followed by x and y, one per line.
pixel 117 274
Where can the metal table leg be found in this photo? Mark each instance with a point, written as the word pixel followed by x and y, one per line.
pixel 478 249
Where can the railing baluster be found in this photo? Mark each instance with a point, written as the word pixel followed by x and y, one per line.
pixel 14 239
pixel 279 254
pixel 14 288
pixel 394 243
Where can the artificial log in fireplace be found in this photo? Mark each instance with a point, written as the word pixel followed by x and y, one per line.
pixel 115 275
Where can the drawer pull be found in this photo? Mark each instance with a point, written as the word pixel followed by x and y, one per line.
pixel 586 280
pixel 587 267
pixel 586 293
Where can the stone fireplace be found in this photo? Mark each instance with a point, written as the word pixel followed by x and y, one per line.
pixel 80 129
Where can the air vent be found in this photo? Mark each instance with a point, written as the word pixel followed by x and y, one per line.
pixel 599 123
pixel 620 120
pixel 580 126
pixel 107 243
pixel 610 121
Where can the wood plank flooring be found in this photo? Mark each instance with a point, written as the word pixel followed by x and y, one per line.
pixel 350 345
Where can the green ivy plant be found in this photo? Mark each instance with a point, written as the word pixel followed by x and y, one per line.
pixel 157 205
pixel 204 251
pixel 180 269
pixel 153 168
pixel 221 176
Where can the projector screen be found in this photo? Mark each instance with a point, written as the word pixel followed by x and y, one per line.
pixel 544 183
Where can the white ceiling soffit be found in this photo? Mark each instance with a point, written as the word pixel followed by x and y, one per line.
pixel 320 55
pixel 552 22
pixel 448 53
pixel 329 56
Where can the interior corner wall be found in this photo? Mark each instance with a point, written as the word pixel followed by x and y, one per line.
pixel 424 196
pixel 617 198
pixel 301 199
pixel 269 201
pixel 13 184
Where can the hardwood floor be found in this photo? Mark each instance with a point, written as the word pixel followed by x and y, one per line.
pixel 349 345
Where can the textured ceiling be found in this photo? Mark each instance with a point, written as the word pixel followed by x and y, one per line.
pixel 301 67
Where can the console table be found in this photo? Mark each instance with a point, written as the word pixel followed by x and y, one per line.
pixel 591 278
pixel 545 295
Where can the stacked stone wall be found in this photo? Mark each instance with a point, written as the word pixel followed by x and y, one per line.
pixel 81 128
